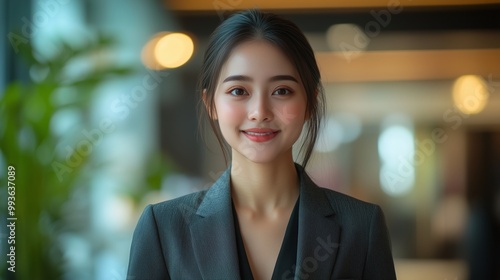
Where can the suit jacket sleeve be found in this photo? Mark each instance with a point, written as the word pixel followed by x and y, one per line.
pixel 146 257
pixel 379 262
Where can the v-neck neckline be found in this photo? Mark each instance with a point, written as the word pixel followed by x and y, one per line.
pixel 287 256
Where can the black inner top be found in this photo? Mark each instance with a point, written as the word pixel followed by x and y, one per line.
pixel 285 264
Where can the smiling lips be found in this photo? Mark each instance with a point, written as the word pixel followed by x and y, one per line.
pixel 260 134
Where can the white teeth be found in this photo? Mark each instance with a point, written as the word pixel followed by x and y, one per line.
pixel 258 134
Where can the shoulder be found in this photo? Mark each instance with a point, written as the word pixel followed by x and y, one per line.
pixel 341 201
pixel 182 207
pixel 358 219
pixel 350 210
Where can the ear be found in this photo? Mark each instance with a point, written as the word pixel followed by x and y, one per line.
pixel 207 106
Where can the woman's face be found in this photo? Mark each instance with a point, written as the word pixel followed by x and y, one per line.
pixel 260 102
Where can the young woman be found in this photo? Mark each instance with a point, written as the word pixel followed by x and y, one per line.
pixel 264 218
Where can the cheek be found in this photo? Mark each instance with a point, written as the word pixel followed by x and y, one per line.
pixel 229 113
pixel 291 112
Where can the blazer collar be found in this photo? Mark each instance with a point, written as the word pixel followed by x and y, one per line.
pixel 212 232
pixel 214 240
pixel 319 233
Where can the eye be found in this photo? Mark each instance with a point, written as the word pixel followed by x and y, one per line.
pixel 282 91
pixel 237 91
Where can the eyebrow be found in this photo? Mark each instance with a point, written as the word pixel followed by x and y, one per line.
pixel 272 79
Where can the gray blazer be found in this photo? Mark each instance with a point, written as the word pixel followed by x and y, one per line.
pixel 192 237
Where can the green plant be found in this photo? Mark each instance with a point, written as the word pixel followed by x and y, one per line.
pixel 29 145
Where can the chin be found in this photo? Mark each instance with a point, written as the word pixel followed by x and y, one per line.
pixel 262 157
pixel 262 154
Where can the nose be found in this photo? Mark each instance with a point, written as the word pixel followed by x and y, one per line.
pixel 259 108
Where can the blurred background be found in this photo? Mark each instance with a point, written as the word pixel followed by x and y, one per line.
pixel 98 118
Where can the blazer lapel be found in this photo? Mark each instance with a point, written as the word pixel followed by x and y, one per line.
pixel 212 233
pixel 319 233
pixel 214 243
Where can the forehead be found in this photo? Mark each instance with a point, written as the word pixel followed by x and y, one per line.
pixel 257 59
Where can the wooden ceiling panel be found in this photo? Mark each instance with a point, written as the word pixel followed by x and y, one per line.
pixel 197 5
pixel 407 65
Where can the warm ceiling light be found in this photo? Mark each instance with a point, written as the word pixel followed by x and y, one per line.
pixel 173 50
pixel 346 37
pixel 147 54
pixel 470 94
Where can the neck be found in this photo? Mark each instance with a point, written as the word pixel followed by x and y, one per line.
pixel 264 187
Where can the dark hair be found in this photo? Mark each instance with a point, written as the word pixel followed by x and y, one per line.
pixel 285 35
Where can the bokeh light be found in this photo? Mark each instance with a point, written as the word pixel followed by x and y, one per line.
pixel 346 37
pixel 470 94
pixel 396 148
pixel 174 49
pixel 167 50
